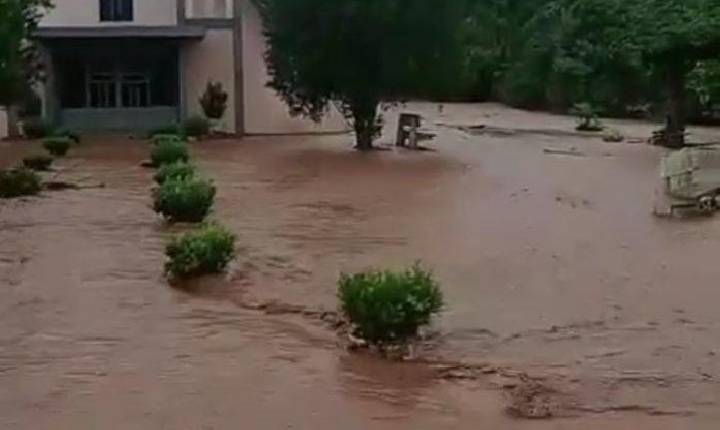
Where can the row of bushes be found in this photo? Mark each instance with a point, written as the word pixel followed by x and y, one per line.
pixel 184 195
pixel 384 307
pixel 23 180
pixel 194 126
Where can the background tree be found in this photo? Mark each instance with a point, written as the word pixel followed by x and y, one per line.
pixel 19 57
pixel 360 54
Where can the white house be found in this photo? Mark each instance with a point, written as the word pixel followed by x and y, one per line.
pixel 140 64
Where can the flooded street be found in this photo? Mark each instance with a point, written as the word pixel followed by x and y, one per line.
pixel 552 266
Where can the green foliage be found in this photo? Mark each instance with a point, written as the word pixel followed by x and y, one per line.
pixel 177 170
pixel 19 56
pixel 613 135
pixel 38 162
pixel 19 182
pixel 36 128
pixel 196 126
pixel 357 54
pixel 187 199
pixel 388 306
pixel 207 250
pixel 214 100
pixel 63 132
pixel 172 137
pixel 57 146
pixel 588 119
pixel 171 129
pixel 168 151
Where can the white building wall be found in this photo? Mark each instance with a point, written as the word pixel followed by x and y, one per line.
pixel 265 113
pixel 209 59
pixel 3 123
pixel 80 13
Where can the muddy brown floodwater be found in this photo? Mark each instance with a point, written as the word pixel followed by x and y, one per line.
pixel 553 268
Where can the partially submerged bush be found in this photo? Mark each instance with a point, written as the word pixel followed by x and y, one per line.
pixel 171 137
pixel 168 129
pixel 38 162
pixel 177 170
pixel 588 119
pixel 184 200
pixel 57 146
pixel 196 126
pixel 169 151
pixel 206 250
pixel 388 306
pixel 613 135
pixel 35 128
pixel 63 132
pixel 19 182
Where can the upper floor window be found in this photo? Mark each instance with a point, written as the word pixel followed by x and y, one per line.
pixel 116 10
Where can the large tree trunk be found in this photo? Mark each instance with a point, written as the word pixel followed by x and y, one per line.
pixel 365 124
pixel 12 121
pixel 677 112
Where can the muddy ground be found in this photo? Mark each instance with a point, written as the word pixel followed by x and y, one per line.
pixel 559 283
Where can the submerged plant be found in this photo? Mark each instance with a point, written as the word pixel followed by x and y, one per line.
pixel 206 250
pixel 387 306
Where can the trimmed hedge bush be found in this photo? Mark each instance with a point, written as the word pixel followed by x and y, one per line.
pixel 38 162
pixel 57 146
pixel 168 129
pixel 386 306
pixel 19 182
pixel 73 136
pixel 196 126
pixel 169 151
pixel 184 199
pixel 178 170
pixel 36 128
pixel 206 250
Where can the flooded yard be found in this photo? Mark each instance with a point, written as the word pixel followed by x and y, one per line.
pixel 553 267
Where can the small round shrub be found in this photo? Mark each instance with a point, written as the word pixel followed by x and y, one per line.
pixel 613 135
pixel 168 129
pixel 196 126
pixel 184 200
pixel 387 306
pixel 19 182
pixel 73 136
pixel 38 162
pixel 57 146
pixel 159 138
pixel 177 170
pixel 35 128
pixel 169 151
pixel 206 250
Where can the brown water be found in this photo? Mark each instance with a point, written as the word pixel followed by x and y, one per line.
pixel 552 266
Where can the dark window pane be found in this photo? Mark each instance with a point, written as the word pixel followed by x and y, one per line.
pixel 116 10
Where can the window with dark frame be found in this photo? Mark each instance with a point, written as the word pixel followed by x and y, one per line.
pixel 116 10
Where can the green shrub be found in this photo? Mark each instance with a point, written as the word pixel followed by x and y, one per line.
pixel 19 182
pixel 184 200
pixel 588 119
pixel 38 162
pixel 196 126
pixel 35 128
pixel 388 306
pixel 73 136
pixel 159 138
pixel 169 151
pixel 206 250
pixel 57 146
pixel 613 135
pixel 168 129
pixel 177 170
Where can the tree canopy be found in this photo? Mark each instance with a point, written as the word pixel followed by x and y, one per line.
pixel 19 62
pixel 359 54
